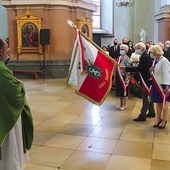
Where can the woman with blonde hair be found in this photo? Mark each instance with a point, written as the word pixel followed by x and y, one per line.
pixel 160 74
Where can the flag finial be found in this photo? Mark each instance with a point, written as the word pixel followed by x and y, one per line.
pixel 69 22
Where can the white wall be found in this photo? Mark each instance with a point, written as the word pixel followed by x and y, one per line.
pixel 129 20
pixel 157 9
pixel 107 15
pixel 121 24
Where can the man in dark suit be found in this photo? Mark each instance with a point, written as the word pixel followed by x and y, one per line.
pixel 143 67
pixel 114 51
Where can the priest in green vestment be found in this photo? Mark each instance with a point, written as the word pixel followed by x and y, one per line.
pixel 16 122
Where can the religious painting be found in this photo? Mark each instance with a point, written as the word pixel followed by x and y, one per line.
pixel 29 35
pixel 85 25
pixel 85 30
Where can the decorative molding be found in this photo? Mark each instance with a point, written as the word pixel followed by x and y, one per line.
pixel 124 3
pixel 163 13
pixel 69 3
pixel 99 31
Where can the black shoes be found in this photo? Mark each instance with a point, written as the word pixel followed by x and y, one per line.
pixel 162 127
pixel 150 115
pixel 139 119
pixel 157 125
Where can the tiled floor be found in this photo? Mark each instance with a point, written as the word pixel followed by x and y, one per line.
pixel 74 134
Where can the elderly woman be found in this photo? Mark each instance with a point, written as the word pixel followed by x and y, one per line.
pixel 160 74
pixel 121 78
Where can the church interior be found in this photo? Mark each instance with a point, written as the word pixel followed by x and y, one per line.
pixel 71 133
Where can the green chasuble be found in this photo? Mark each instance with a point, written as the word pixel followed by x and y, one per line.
pixel 12 105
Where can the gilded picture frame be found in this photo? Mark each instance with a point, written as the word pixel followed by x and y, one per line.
pixel 28 33
pixel 85 25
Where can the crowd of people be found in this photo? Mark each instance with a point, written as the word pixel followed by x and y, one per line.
pixel 152 63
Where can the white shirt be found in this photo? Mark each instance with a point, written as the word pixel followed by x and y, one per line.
pixel 162 71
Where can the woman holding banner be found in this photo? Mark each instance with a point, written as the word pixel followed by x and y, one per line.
pixel 160 74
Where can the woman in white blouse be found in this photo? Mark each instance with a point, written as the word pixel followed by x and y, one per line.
pixel 160 73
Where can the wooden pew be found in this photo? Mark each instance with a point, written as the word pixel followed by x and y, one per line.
pixel 35 72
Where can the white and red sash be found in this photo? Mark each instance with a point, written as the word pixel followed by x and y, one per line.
pixel 144 85
pixel 121 79
pixel 158 86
